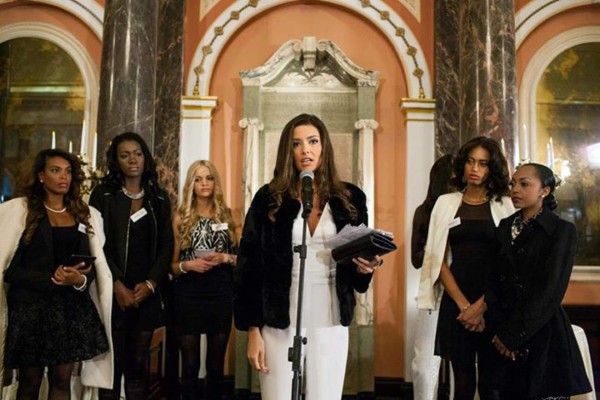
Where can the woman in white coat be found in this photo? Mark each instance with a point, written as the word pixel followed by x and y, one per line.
pixel 58 308
pixel 458 258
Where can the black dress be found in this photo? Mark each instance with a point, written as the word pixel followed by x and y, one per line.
pixel 54 326
pixel 204 301
pixel 472 246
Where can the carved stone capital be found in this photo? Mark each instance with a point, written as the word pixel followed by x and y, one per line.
pixel 254 123
pixel 363 124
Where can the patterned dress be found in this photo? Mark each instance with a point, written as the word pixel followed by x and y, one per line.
pixel 204 301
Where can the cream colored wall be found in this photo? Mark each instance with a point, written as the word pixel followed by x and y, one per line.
pixel 359 39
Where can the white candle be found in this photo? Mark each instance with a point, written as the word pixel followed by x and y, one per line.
pixel 82 145
pixel 525 154
pixel 70 146
pixel 53 140
pixel 95 151
pixel 503 146
pixel 551 148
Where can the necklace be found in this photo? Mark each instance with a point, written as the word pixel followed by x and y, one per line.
pixel 53 210
pixel 475 202
pixel 518 224
pixel 133 196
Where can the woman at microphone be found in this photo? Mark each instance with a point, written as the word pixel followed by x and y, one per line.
pixel 266 281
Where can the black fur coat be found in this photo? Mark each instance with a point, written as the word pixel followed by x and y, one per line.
pixel 264 272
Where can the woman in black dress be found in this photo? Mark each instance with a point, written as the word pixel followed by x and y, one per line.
pixel 139 244
pixel 458 257
pixel 52 320
pixel 203 262
pixel 529 326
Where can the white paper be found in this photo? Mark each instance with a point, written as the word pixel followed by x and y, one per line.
pixel 201 253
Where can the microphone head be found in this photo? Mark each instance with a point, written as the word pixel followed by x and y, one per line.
pixel 307 173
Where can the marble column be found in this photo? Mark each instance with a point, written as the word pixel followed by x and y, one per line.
pixel 475 65
pixel 446 89
pixel 169 87
pixel 128 71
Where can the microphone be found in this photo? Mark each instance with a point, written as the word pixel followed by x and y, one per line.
pixel 307 177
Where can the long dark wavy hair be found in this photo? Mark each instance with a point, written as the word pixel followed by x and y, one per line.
pixel 286 179
pixel 440 181
pixel 35 193
pixel 115 178
pixel 549 180
pixel 498 177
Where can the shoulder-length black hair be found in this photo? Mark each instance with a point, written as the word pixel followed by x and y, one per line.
pixel 115 178
pixel 498 177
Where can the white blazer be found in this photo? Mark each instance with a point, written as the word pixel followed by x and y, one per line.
pixel 444 211
pixel 97 372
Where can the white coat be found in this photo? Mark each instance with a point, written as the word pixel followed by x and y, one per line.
pixel 442 215
pixel 97 372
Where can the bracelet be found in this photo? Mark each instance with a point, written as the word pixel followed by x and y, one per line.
pixel 183 271
pixel 465 307
pixel 83 285
pixel 150 286
pixel 230 260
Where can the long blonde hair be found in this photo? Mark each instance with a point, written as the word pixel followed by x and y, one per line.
pixel 187 209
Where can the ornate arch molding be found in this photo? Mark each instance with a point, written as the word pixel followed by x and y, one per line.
pixel 534 71
pixel 528 96
pixel 536 12
pixel 88 11
pixel 78 53
pixel 407 47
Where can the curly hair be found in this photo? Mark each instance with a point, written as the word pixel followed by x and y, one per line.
pixel 115 179
pixel 498 177
pixel 35 193
pixel 286 180
pixel 187 209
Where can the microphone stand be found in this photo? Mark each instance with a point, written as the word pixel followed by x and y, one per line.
pixel 295 352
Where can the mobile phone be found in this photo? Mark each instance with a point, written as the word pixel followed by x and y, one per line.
pixel 81 258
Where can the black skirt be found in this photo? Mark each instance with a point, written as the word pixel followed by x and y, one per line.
pixel 59 328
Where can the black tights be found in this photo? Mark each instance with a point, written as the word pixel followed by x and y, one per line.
pixel 59 381
pixel 131 359
pixel 466 377
pixel 190 364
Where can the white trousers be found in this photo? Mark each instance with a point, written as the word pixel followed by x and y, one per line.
pixel 425 365
pixel 325 357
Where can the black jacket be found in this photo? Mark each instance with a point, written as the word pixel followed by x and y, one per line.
pixel 33 265
pixel 264 272
pixel 528 283
pixel 115 209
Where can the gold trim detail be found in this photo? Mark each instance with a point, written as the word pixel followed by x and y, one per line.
pixel 383 14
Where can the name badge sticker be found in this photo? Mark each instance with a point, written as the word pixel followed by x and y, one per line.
pixel 455 222
pixel 220 227
pixel 82 228
pixel 135 217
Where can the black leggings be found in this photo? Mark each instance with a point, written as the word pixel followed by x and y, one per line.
pixel 131 359
pixel 189 344
pixel 59 380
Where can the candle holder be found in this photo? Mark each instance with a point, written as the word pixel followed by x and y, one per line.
pixel 93 175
